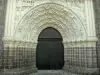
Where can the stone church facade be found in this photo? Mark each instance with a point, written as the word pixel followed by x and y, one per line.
pixel 76 20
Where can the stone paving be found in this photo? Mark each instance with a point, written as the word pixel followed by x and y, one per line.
pixel 52 72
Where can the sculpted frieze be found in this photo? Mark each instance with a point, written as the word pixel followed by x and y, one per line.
pixel 54 15
pixel 23 6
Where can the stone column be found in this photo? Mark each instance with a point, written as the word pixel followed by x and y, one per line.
pixel 34 57
pixel 90 20
pixel 91 54
pixel 65 57
pixel 10 56
pixel 10 16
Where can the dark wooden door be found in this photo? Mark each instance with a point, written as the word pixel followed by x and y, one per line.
pixel 50 51
pixel 50 54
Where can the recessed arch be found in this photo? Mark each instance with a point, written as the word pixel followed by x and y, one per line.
pixel 50 25
pixel 50 32
pixel 32 23
pixel 50 50
pixel 32 17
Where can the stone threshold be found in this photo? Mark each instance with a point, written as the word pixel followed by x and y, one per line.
pixel 18 72
pixel 53 72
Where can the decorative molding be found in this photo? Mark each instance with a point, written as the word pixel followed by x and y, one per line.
pixel 76 5
pixel 19 43
pixel 50 15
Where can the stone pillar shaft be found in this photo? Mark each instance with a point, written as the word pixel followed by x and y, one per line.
pixel 90 19
pixel 10 14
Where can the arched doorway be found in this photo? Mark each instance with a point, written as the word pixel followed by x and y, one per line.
pixel 50 50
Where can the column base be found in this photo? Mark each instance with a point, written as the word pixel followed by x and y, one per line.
pixel 82 70
pixel 19 71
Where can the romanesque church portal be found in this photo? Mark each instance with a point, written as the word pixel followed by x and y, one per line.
pixel 49 35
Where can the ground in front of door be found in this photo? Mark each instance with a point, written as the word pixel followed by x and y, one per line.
pixel 53 72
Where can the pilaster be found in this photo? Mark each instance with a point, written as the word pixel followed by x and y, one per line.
pixel 10 15
pixel 90 19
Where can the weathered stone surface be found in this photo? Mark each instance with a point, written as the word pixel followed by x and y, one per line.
pixel 53 72
pixel 2 25
pixel 32 17
pixel 97 21
pixel 22 55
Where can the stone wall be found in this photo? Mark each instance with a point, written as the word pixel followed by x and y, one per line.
pixel 2 25
pixel 97 19
pixel 81 60
pixel 18 58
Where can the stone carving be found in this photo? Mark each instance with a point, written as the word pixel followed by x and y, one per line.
pixel 23 6
pixel 31 20
pixel 76 2
pixel 28 2
pixel 97 17
pixel 50 15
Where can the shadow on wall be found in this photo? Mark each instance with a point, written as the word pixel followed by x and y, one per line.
pixel 3 4
pixel 97 21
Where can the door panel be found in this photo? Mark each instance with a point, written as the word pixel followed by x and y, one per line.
pixel 50 54
pixel 42 56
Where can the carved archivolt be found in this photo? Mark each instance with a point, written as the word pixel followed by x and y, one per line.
pixel 50 15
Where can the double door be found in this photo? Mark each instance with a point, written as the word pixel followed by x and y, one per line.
pixel 50 54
